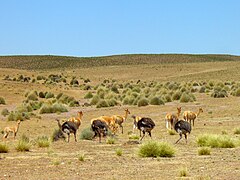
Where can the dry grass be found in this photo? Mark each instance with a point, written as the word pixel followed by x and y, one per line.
pixel 41 163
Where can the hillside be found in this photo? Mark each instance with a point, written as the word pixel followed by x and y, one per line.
pixel 56 62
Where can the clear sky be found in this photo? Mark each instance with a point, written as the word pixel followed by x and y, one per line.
pixel 108 27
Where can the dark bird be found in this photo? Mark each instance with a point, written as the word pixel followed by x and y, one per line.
pixel 68 127
pixel 99 128
pixel 182 127
pixel 145 125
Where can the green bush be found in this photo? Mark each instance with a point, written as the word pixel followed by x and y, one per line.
pixel 202 89
pixel 156 149
pixel 59 96
pixel 32 96
pixel 2 100
pixel 183 172
pixel 185 98
pixel 219 94
pixel 42 141
pixel 171 132
pixel 143 102
pixel 204 151
pixel 87 134
pixel 237 92
pixel 41 94
pixel 110 140
pixel 167 98
pixel 156 101
pixel 177 95
pixel 119 152
pixel 3 148
pixel 5 112
pixel 89 95
pixel 49 95
pixel 55 108
pixel 95 100
pixel 102 103
pixel 237 131
pixel 81 157
pixel 216 141
pixel 134 137
pixel 23 144
pixel 16 115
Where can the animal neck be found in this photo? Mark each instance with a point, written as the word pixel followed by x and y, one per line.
pixel 80 116
pixel 126 114
pixel 59 125
pixel 178 113
pixel 197 114
pixel 17 127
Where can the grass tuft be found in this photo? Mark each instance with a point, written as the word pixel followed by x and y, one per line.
pixel 87 134
pixel 156 149
pixel 204 151
pixel 119 152
pixel 3 148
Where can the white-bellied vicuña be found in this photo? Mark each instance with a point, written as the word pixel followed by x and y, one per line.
pixel 68 127
pixel 135 120
pixel 120 119
pixel 182 127
pixel 77 120
pixel 191 116
pixel 100 128
pixel 13 130
pixel 145 125
pixel 172 118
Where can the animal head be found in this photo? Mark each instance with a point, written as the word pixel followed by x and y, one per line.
pixel 200 110
pixel 80 113
pixel 179 109
pixel 19 121
pixel 127 111
pixel 133 116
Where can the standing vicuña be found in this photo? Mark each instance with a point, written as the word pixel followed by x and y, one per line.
pixel 14 130
pixel 77 120
pixel 120 119
pixel 191 116
pixel 172 118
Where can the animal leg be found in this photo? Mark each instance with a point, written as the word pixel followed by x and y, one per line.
pixel 75 137
pixel 150 134
pixel 68 136
pixel 193 122
pixel 5 135
pixel 166 124
pixel 185 137
pixel 99 134
pixel 122 128
pixel 179 138
pixel 143 135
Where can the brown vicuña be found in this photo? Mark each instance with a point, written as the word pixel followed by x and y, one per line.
pixel 13 130
pixel 120 119
pixel 191 116
pixel 77 120
pixel 172 118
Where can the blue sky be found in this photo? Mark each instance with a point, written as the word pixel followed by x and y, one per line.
pixel 108 27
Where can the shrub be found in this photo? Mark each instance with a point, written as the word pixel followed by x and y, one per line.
pixel 42 141
pixel 237 92
pixel 16 115
pixel 111 140
pixel 41 94
pixel 115 89
pixel 5 112
pixel 202 89
pixel 156 149
pixel 216 141
pixel 119 152
pixel 2 100
pixel 142 102
pixel 237 131
pixel 23 145
pixel 156 101
pixel 167 98
pixel 185 98
pixel 87 134
pixel 59 96
pixel 134 137
pixel 95 100
pixel 102 103
pixel 55 108
pixel 183 172
pixel 32 96
pixel 3 148
pixel 49 95
pixel 176 95
pixel 89 95
pixel 81 157
pixel 204 151
pixel 171 132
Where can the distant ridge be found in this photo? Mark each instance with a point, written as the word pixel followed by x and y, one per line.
pixel 41 62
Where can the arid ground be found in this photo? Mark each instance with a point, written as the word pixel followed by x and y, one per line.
pixel 60 160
